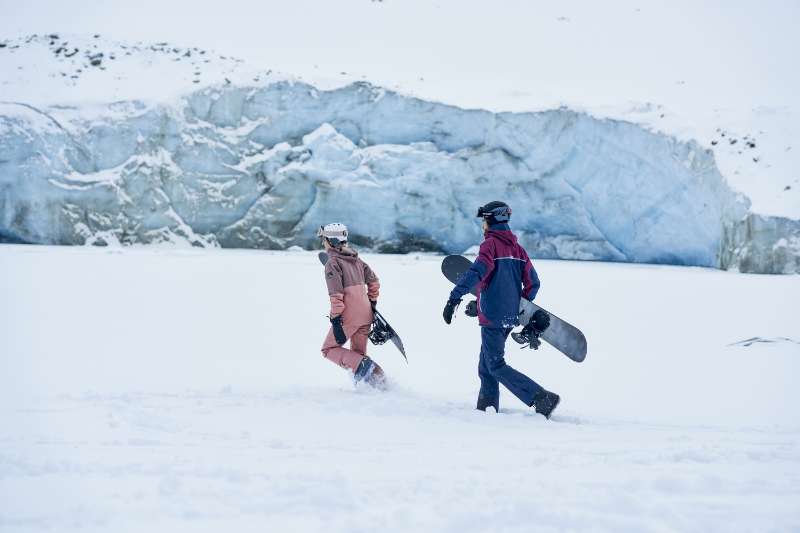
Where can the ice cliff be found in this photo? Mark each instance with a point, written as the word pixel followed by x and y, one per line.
pixel 264 167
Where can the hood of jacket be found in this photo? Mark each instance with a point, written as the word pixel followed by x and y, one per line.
pixel 501 232
pixel 345 252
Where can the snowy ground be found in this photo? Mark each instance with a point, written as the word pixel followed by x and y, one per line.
pixel 167 390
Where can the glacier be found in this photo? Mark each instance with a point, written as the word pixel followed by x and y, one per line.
pixel 263 167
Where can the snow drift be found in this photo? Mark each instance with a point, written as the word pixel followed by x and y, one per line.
pixel 263 167
pixel 177 390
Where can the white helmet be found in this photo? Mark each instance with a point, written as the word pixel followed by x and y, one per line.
pixel 335 233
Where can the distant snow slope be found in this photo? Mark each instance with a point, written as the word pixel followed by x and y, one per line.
pixel 730 111
pixel 715 72
pixel 263 167
pixel 161 391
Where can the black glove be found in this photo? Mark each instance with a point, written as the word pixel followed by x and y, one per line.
pixel 338 330
pixel 449 309
pixel 471 309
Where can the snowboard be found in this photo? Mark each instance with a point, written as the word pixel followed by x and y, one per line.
pixel 561 335
pixel 381 330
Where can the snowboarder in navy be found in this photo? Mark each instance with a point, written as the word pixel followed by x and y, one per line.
pixel 353 290
pixel 503 274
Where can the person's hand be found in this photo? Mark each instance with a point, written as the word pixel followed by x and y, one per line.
pixel 449 309
pixel 471 309
pixel 338 330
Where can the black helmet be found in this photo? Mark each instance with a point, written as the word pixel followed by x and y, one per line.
pixel 495 212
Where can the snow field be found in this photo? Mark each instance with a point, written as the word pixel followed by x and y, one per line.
pixel 172 390
pixel 169 390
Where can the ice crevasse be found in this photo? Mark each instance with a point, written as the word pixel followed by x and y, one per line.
pixel 264 167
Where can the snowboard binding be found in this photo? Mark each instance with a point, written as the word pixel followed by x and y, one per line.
pixel 529 335
pixel 380 331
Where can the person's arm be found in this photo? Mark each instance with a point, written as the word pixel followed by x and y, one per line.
pixel 530 280
pixel 480 269
pixel 373 284
pixel 333 277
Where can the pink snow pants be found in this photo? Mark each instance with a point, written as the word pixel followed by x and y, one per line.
pixel 344 357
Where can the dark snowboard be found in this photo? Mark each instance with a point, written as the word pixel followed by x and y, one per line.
pixel 561 335
pixel 381 330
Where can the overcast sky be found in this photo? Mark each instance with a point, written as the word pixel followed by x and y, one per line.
pixel 731 53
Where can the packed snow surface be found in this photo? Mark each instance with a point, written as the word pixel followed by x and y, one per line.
pixel 148 389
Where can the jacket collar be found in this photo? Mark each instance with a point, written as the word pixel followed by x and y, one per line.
pixel 500 226
pixel 344 251
pixel 501 232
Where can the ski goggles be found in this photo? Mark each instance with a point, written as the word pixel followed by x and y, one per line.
pixel 500 214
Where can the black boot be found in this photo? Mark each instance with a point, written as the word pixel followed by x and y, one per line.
pixel 545 403
pixel 370 373
pixel 484 403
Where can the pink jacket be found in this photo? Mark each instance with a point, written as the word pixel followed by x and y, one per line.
pixel 346 276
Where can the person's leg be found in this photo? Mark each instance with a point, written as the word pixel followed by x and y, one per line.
pixel 489 394
pixel 340 355
pixel 520 385
pixel 358 341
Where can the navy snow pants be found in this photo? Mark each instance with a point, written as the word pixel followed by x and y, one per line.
pixel 493 369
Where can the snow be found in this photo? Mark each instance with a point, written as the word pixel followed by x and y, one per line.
pixel 200 111
pixel 691 71
pixel 163 390
pixel 178 386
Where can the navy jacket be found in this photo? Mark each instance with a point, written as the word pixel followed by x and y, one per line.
pixel 503 273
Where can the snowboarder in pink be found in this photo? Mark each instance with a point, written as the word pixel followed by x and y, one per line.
pixel 353 289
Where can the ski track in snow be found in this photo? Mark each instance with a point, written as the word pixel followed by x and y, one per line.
pixel 169 390
pixel 755 340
